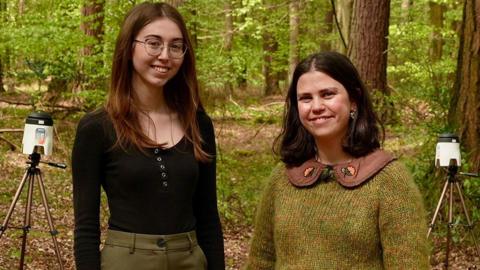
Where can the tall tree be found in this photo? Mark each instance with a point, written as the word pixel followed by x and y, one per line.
pixel 344 12
pixel 464 109
pixel 405 12
pixel 327 27
pixel 368 47
pixel 193 25
pixel 294 7
pixel 270 47
pixel 92 26
pixel 3 9
pixel 2 88
pixel 241 19
pixel 21 7
pixel 228 43
pixel 437 11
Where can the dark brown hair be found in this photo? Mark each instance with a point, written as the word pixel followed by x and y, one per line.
pixel 181 92
pixel 295 144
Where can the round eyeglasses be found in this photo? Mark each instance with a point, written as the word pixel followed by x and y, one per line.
pixel 155 47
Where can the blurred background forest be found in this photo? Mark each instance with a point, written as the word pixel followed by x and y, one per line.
pixel 419 58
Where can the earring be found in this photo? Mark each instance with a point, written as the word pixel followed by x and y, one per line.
pixel 353 115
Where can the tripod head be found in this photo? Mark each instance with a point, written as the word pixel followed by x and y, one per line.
pixel 35 160
pixel 452 171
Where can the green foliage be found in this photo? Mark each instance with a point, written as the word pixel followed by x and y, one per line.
pixel 44 42
pixel 472 191
pixel 241 175
pixel 269 113
pixel 243 163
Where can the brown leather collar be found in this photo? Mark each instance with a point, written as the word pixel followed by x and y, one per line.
pixel 349 174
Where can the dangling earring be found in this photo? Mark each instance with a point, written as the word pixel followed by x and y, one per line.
pixel 353 115
pixel 353 124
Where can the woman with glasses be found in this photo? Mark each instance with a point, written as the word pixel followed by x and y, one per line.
pixel 152 149
pixel 337 201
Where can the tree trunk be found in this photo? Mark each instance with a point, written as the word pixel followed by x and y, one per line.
pixel 21 7
pixel 436 21
pixel 464 109
pixel 368 48
pixel 270 47
pixel 194 25
pixel 3 8
pixel 326 29
pixel 2 88
pixel 344 10
pixel 241 77
pixel 294 33
pixel 92 26
pixel 228 43
pixel 406 4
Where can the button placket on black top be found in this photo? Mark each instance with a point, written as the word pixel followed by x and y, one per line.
pixel 163 169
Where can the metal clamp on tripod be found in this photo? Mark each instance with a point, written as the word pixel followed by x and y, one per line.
pixel 38 135
pixel 448 156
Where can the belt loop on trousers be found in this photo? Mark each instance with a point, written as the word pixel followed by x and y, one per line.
pixel 190 242
pixel 132 246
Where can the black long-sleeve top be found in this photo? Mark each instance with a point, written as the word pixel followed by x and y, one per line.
pixel 164 191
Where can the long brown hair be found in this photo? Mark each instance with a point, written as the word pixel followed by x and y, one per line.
pixel 296 145
pixel 181 92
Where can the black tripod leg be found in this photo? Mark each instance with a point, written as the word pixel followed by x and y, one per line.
pixel 470 224
pixel 53 231
pixel 439 204
pixel 27 219
pixel 14 202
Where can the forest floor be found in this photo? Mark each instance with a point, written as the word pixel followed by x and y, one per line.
pixel 244 136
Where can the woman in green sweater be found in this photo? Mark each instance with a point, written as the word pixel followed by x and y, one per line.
pixel 337 201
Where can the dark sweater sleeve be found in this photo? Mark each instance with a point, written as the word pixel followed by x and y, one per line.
pixel 86 170
pixel 208 227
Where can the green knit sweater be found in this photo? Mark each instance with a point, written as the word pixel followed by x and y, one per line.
pixel 378 225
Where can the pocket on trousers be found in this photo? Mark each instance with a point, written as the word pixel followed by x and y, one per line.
pixel 201 257
pixel 115 257
pixel 107 257
pixel 121 258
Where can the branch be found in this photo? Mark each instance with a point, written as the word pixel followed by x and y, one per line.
pixel 57 107
pixel 2 130
pixel 15 102
pixel 256 133
pixel 12 145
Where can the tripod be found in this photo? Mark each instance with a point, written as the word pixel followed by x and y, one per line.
pixel 450 184
pixel 33 173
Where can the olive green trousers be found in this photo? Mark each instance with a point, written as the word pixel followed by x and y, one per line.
pixel 133 251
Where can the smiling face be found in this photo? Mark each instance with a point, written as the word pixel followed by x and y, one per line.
pixel 153 72
pixel 324 107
